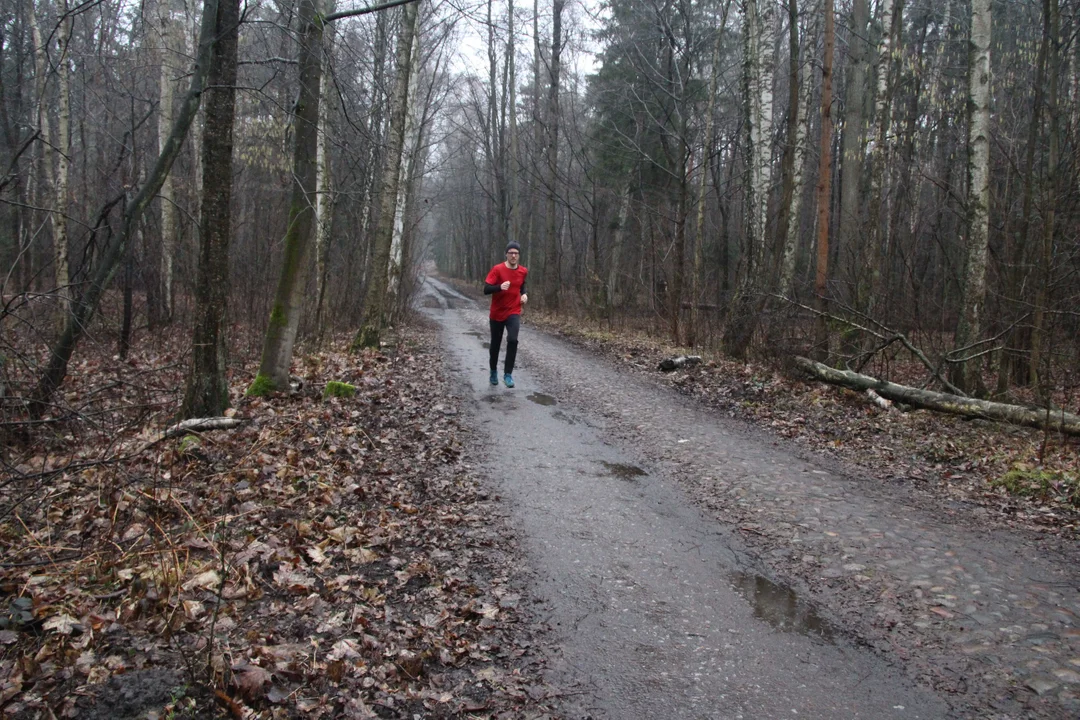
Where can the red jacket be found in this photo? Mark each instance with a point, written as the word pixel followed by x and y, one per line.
pixel 505 303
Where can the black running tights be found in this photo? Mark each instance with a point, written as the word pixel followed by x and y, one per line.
pixel 511 325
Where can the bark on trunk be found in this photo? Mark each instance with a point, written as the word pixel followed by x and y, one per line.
pixel 375 298
pixel 821 349
pixel 1056 421
pixel 288 299
pixel 324 201
pixel 551 254
pixel 966 375
pixel 1039 329
pixel 167 72
pixel 207 387
pixel 852 154
pixel 759 36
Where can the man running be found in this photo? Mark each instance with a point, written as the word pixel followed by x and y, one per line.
pixel 506 286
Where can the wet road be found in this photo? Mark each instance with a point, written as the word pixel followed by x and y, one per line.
pixel 657 610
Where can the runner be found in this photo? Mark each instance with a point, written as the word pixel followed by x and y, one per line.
pixel 506 285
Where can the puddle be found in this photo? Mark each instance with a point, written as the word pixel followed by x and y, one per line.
pixel 487 345
pixel 474 333
pixel 541 399
pixel 624 472
pixel 780 606
pixel 493 398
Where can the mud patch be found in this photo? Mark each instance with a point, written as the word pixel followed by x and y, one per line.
pixel 541 399
pixel 147 693
pixel 630 473
pixel 781 606
pixel 560 415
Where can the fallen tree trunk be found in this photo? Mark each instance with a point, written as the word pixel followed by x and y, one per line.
pixel 672 364
pixel 1057 421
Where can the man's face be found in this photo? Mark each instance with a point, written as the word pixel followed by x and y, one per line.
pixel 512 258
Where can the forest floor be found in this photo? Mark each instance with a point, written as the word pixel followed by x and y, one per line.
pixel 330 558
pixel 1018 476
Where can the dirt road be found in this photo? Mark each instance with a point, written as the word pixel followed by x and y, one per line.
pixel 657 533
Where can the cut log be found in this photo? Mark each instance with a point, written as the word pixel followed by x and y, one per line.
pixel 881 402
pixel 671 364
pixel 1055 420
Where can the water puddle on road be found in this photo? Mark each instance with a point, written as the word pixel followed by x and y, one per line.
pixel 487 345
pixel 475 333
pixel 541 399
pixel 624 472
pixel 780 606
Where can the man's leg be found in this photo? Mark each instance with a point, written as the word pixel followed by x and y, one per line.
pixel 496 343
pixel 513 324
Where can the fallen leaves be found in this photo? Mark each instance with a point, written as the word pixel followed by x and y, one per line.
pixel 325 559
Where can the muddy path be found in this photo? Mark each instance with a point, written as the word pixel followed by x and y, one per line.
pixel 690 569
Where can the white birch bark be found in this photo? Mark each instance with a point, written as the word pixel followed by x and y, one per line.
pixel 166 88
pixel 63 164
pixel 763 42
pixel 412 138
pixel 969 327
pixel 324 198
pixel 802 131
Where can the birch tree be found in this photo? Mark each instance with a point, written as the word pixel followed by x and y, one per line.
pixel 965 372
pixel 759 32
pixel 170 37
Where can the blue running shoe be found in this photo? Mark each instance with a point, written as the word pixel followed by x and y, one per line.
pixel 508 380
pixel 494 378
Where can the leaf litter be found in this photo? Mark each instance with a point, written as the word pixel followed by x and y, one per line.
pixel 333 557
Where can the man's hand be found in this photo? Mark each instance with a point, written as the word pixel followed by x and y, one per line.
pixel 505 285
pixel 524 298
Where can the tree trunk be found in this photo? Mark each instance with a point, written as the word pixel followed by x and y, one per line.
pixel 1039 329
pixel 821 349
pixel 515 165
pixel 84 307
pixel 289 297
pixel 207 387
pixel 759 36
pixel 63 164
pixel 324 200
pixel 791 207
pixel 854 127
pixel 693 329
pixel 967 375
pixel 1055 421
pixel 127 319
pixel 1016 365
pixel 869 277
pixel 375 298
pixel 551 254
pixel 413 124
pixel 167 72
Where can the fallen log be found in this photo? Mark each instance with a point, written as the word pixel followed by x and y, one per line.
pixel 671 364
pixel 202 424
pixel 1055 420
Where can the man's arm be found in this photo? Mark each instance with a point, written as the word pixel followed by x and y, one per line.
pixel 490 288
